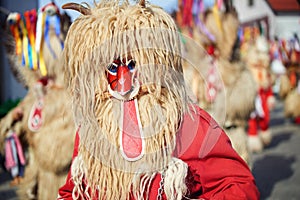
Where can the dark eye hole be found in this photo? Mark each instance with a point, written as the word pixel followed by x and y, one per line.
pixel 131 65
pixel 112 68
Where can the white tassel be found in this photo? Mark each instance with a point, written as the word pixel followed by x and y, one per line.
pixel 174 183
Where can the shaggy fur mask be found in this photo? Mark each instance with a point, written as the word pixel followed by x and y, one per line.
pixel 104 38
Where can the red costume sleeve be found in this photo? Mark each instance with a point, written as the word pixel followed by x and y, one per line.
pixel 65 192
pixel 216 171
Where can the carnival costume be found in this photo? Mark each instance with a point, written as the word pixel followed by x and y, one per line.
pixel 139 136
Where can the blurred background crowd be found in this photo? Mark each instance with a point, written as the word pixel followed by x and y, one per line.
pixel 241 59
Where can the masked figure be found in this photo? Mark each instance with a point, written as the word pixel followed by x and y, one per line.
pixel 139 136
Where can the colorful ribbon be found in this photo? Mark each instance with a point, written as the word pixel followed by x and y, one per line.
pixel 46 35
pixel 25 44
pixel 39 42
pixel 187 13
pixel 30 19
pixel 31 32
pixel 215 11
pixel 14 21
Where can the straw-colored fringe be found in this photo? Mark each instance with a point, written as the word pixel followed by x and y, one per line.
pixel 100 149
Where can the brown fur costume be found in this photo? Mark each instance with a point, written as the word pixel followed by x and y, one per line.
pixel 50 148
pixel 290 84
pixel 289 92
pixel 236 90
pixel 257 59
pixel 162 99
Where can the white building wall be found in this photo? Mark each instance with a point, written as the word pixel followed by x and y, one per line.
pixel 258 10
pixel 287 26
pixel 281 26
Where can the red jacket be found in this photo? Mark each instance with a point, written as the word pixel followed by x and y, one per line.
pixel 216 171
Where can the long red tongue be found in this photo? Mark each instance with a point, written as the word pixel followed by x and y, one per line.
pixel 132 142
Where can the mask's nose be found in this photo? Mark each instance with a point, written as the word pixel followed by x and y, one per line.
pixel 124 84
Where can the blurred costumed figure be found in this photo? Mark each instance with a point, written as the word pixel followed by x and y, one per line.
pixel 279 57
pixel 139 136
pixel 44 121
pixel 257 57
pixel 290 82
pixel 221 83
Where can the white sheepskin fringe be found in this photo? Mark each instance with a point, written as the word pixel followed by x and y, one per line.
pixel 174 180
pixel 255 144
pixel 266 137
pixel 77 171
pixel 174 183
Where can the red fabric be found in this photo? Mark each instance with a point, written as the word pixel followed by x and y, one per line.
pixel 261 123
pixel 215 172
pixel 297 120
pixel 210 49
pixel 252 126
pixel 65 192
pixel 9 158
pixel 265 94
pixel 44 81
pixel 187 13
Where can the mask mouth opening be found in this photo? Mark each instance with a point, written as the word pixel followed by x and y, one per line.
pixel 126 95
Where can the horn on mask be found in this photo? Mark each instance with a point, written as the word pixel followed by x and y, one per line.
pixel 75 6
pixel 142 3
